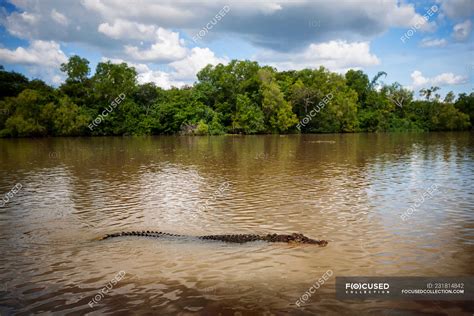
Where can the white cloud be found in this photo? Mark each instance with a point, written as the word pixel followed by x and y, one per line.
pixel 168 47
pixel 275 24
pixel 433 42
pixel 21 24
pixel 181 72
pixel 418 80
pixel 335 55
pixel 404 15
pixel 161 78
pixel 187 68
pixel 41 53
pixel 444 79
pixel 59 17
pixel 461 31
pixel 42 59
pixel 123 29
pixel 262 23
pixel 279 30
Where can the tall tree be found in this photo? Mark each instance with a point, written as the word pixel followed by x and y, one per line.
pixel 278 112
pixel 359 82
pixel 77 69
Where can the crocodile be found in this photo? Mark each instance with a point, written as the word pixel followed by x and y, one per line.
pixel 239 238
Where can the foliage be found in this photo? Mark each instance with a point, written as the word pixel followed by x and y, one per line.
pixel 240 97
pixel 465 104
pixel 248 118
pixel 278 113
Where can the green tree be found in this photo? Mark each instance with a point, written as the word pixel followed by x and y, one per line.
pixel 77 69
pixel 77 85
pixel 25 118
pixel 278 112
pixel 11 83
pixel 146 96
pixel 69 119
pixel 239 97
pixel 465 104
pixel 111 80
pixel 359 82
pixel 428 92
pixel 248 118
pixel 449 98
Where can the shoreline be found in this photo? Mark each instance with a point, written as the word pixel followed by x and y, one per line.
pixel 242 135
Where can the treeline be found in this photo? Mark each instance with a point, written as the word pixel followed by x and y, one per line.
pixel 240 97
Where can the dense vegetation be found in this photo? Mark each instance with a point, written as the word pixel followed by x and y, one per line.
pixel 240 97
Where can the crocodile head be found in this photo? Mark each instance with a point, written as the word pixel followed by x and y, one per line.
pixel 302 239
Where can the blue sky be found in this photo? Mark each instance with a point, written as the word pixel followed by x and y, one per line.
pixel 418 43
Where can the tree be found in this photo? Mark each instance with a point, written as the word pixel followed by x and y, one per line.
pixel 146 96
pixel 69 119
pixel 427 92
pixel 449 98
pixel 25 119
pixel 359 82
pixel 302 95
pixel 248 117
pixel 11 83
pixel 278 112
pixel 77 85
pixel 219 85
pixel 398 95
pixel 239 97
pixel 465 104
pixel 111 80
pixel 77 69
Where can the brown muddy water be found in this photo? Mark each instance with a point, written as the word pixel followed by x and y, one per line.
pixel 349 189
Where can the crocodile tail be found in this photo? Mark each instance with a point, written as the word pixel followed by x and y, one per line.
pixel 143 233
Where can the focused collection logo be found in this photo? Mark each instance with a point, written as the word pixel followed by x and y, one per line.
pixel 367 288
pixel 404 288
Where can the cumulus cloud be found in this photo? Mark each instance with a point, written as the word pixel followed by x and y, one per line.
pixel 187 68
pixel 461 31
pixel 444 79
pixel 59 21
pixel 161 78
pixel 42 53
pixel 180 72
pixel 433 42
pixel 41 58
pixel 21 24
pixel 123 29
pixel 276 24
pixel 287 34
pixel 168 47
pixel 335 55
pixel 405 16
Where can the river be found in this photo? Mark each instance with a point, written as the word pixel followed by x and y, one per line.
pixel 349 189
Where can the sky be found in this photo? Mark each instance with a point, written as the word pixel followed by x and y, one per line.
pixel 417 43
